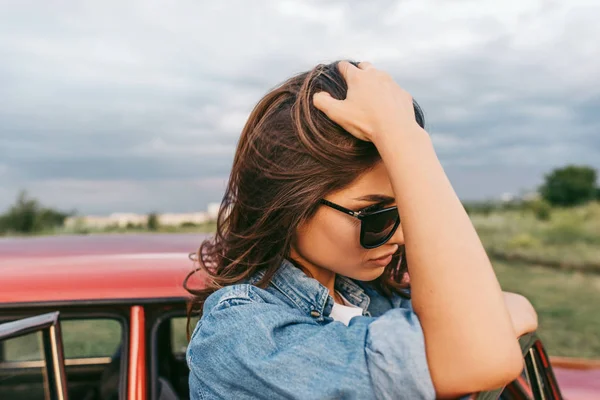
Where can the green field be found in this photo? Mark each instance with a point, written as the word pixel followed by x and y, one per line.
pixel 559 270
pixel 567 303
pixel 569 239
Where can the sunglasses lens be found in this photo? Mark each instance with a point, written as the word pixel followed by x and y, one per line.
pixel 378 228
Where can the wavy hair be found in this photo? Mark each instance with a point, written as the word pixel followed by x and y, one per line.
pixel 288 157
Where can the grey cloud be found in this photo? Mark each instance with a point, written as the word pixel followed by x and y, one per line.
pixel 103 92
pixel 101 197
pixel 131 168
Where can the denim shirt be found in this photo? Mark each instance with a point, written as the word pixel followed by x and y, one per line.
pixel 281 343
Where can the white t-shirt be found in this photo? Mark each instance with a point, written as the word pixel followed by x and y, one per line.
pixel 344 313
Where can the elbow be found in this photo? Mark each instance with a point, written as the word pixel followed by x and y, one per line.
pixel 481 372
pixel 509 367
pixel 499 368
pixel 514 366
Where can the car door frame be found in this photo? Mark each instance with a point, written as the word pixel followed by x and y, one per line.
pixel 49 326
pixel 117 309
pixel 538 383
pixel 537 365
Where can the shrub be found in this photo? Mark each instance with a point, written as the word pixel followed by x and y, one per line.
pixel 153 223
pixel 566 232
pixel 523 240
pixel 540 208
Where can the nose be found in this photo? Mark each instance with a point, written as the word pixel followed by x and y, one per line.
pixel 397 237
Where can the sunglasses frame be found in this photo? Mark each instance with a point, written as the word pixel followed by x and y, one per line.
pixel 361 215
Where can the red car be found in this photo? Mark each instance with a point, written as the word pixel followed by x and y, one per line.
pixel 104 317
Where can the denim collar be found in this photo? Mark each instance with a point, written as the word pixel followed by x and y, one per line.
pixel 308 294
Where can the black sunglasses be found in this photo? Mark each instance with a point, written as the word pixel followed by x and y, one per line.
pixel 376 227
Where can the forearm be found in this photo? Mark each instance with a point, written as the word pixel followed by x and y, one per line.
pixel 455 291
pixel 469 338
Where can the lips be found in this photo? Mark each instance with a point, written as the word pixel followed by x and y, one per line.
pixel 381 262
pixel 382 257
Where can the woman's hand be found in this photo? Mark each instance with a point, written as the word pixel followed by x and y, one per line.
pixel 523 316
pixel 374 106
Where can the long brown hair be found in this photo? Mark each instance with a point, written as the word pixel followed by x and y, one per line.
pixel 289 156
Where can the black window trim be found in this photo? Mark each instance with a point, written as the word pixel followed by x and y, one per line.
pixel 159 318
pixel 75 313
pixel 129 302
pixel 49 327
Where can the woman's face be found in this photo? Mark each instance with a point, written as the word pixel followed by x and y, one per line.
pixel 331 239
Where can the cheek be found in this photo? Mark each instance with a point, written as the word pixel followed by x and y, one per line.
pixel 340 233
pixel 328 241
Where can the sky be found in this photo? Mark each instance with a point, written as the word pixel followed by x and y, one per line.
pixel 136 106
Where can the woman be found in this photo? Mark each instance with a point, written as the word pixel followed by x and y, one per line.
pixel 330 202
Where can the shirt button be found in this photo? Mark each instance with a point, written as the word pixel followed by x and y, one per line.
pixel 315 314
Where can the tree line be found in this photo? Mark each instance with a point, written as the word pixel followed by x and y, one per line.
pixel 569 186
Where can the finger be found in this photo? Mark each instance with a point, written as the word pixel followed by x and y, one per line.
pixel 365 65
pixel 346 69
pixel 324 102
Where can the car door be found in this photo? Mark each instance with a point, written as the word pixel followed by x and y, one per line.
pixel 34 379
pixel 539 370
pixel 537 381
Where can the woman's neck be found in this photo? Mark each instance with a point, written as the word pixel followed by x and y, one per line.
pixel 324 276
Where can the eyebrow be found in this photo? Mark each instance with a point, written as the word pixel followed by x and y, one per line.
pixel 377 198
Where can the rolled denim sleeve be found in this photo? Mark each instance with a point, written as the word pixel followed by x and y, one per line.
pixel 395 354
pixel 245 349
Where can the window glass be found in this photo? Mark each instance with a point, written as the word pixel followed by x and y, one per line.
pixel 179 340
pixel 26 378
pixel 82 338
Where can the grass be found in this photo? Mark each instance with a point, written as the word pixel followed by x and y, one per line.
pixel 570 239
pixel 566 290
pixel 567 303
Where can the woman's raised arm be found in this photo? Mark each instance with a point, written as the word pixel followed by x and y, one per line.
pixel 470 341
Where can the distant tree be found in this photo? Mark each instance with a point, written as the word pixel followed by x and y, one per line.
pixel 3 225
pixel 48 217
pixel 569 186
pixel 131 226
pixel 480 207
pixel 28 216
pixel 540 208
pixel 468 208
pixel 21 217
pixel 153 222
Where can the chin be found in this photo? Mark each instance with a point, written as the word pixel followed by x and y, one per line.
pixel 369 274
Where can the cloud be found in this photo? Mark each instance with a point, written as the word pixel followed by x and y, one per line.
pixel 127 195
pixel 113 94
